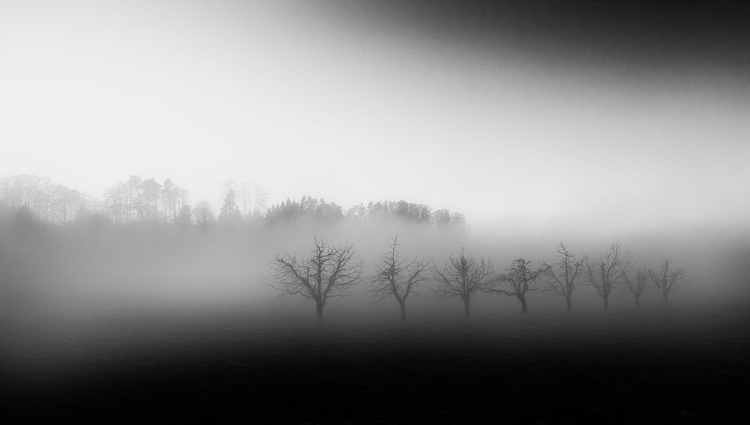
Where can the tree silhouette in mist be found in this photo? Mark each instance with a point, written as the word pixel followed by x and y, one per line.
pixel 519 279
pixel 396 277
pixel 667 280
pixel 330 271
pixel 462 277
pixel 563 274
pixel 603 273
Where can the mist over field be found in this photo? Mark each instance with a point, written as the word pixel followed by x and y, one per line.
pixel 375 211
pixel 85 266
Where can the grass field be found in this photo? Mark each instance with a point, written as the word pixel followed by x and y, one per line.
pixel 227 364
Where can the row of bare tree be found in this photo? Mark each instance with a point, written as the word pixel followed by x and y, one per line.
pixel 332 271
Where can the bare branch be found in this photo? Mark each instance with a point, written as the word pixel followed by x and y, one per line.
pixel 668 279
pixel 604 273
pixel 329 272
pixel 564 272
pixel 397 278
pixel 463 276
pixel 519 279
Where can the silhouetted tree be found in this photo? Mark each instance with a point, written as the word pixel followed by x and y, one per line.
pixel 603 273
pixel 667 280
pixel 397 277
pixel 637 286
pixel 519 279
pixel 563 273
pixel 329 272
pixel 462 276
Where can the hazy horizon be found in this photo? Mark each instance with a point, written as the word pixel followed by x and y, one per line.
pixel 616 124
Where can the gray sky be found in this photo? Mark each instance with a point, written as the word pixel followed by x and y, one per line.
pixel 309 98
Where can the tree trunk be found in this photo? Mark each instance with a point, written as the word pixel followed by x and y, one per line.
pixel 524 307
pixel 319 311
pixel 403 311
pixel 567 303
pixel 637 301
pixel 466 308
pixel 606 303
pixel 666 295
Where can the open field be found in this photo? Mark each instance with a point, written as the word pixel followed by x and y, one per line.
pixel 653 365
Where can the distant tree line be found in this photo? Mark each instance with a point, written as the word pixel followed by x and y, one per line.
pixel 323 211
pixel 49 201
pixel 307 207
pixel 331 271
pixel 147 200
pixel 134 199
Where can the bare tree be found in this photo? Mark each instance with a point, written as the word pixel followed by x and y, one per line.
pixel 462 276
pixel 520 278
pixel 637 285
pixel 397 277
pixel 329 272
pixel 603 273
pixel 563 273
pixel 667 280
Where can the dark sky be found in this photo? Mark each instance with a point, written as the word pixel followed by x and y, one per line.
pixel 637 37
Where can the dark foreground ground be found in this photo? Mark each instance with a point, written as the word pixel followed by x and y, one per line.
pixel 226 365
